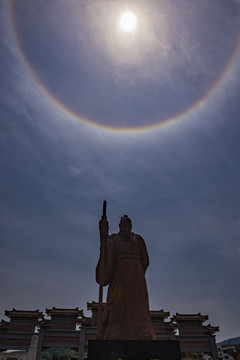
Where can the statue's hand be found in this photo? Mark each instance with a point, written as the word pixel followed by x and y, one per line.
pixel 103 227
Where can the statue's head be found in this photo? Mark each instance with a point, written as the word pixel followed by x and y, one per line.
pixel 125 224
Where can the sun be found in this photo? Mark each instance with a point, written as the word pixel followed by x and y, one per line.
pixel 128 21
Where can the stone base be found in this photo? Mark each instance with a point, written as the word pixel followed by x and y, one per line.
pixel 134 350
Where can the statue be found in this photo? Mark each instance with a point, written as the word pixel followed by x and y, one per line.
pixel 122 265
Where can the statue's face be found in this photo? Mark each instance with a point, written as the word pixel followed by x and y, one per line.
pixel 125 226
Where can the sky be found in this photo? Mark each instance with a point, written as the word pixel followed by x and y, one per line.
pixel 149 121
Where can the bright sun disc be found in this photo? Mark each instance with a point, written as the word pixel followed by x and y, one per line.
pixel 128 21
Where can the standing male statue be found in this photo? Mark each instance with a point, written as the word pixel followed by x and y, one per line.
pixel 122 265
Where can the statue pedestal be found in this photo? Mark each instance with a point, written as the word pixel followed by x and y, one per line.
pixel 134 350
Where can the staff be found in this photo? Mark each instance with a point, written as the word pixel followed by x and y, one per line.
pixel 103 227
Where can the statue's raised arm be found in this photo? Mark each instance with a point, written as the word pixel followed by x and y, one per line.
pixel 105 263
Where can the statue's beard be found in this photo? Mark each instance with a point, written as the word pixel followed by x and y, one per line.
pixel 126 234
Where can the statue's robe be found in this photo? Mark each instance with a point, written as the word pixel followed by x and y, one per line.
pixel 122 266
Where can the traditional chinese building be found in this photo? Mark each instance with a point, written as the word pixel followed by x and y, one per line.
pixel 193 336
pixel 60 330
pixel 70 328
pixel 18 332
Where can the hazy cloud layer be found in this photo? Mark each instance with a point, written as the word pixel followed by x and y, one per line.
pixel 179 183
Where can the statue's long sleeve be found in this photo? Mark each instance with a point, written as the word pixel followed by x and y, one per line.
pixel 143 254
pixel 104 270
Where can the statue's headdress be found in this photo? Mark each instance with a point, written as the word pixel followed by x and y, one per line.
pixel 126 219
